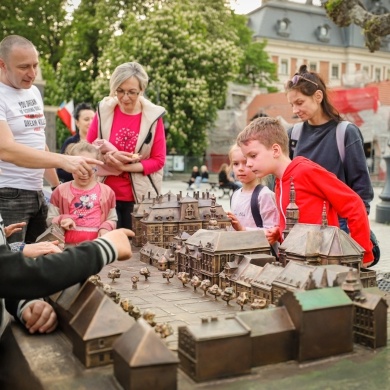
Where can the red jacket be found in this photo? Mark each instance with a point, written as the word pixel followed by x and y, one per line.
pixel 314 185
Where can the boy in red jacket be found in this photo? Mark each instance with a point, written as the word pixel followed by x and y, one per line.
pixel 264 142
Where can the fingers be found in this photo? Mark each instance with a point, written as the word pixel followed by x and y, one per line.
pixel 40 317
pixel 120 240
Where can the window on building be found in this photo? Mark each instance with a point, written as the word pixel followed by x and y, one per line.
pixel 377 74
pixel 335 71
pixel 313 66
pixel 284 67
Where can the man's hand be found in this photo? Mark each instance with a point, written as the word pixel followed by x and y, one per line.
pixel 68 224
pixel 102 232
pixel 41 248
pixel 80 165
pixel 120 240
pixel 235 222
pixel 14 228
pixel 40 317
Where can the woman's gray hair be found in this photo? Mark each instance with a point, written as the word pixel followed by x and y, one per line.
pixel 124 71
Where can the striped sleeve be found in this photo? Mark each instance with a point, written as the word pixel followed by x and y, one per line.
pixel 107 249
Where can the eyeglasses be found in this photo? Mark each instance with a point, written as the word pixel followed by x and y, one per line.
pixel 298 77
pixel 120 93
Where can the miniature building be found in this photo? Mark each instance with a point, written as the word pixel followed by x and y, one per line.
pixel 215 349
pixel 320 245
pixel 245 272
pixel 140 210
pixel 262 283
pixel 158 256
pixel 52 233
pixel 168 215
pixel 370 313
pixel 297 276
pixel 97 324
pixel 370 320
pixel 206 252
pixel 143 361
pixel 323 320
pixel 273 335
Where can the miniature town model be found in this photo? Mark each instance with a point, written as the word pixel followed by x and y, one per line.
pixel 160 219
pixel 318 280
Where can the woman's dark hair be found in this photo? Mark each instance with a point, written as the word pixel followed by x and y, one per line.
pixel 80 107
pixel 308 83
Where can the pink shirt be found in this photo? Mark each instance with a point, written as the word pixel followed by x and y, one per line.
pixel 124 135
pixel 86 210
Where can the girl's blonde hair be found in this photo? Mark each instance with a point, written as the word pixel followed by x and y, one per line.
pixel 83 146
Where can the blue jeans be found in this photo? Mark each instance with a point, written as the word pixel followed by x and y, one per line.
pixel 18 205
pixel 343 225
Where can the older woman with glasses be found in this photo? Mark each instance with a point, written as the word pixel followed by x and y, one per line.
pixel 324 138
pixel 134 126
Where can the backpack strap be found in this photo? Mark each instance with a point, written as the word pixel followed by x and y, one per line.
pixel 340 138
pixel 255 206
pixel 294 137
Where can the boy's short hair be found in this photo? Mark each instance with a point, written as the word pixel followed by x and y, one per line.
pixel 267 131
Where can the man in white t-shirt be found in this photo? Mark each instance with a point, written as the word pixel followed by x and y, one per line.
pixel 23 141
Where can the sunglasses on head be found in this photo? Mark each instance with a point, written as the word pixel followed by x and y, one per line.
pixel 295 79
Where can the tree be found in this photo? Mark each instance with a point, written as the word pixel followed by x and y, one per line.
pixel 43 22
pixel 189 55
pixel 375 24
pixel 255 66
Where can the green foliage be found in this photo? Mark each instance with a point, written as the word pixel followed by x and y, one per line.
pixel 189 56
pixel 255 65
pixel 190 49
pixel 41 21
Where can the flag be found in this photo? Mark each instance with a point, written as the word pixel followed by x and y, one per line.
pixel 65 113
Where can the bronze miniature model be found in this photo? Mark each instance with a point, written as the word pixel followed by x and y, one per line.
pixel 148 315
pixel 114 273
pixel 205 286
pixel 259 303
pixel 135 312
pixel 126 305
pixel 195 282
pixel 135 280
pixel 145 272
pixel 168 274
pixel 164 330
pixel 228 294
pixel 215 290
pixel 242 299
pixel 142 360
pixel 184 277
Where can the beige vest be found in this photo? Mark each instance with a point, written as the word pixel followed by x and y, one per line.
pixel 141 184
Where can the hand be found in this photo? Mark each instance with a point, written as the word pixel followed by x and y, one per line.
pixel 119 159
pixel 80 165
pixel 235 222
pixel 120 240
pixel 68 224
pixel 41 248
pixel 273 235
pixel 39 316
pixel 14 228
pixel 102 232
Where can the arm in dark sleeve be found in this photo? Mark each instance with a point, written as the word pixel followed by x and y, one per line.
pixel 25 278
pixel 356 172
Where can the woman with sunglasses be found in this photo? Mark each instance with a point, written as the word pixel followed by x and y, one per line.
pixel 134 126
pixel 307 94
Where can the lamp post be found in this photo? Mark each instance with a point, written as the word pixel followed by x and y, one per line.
pixel 383 208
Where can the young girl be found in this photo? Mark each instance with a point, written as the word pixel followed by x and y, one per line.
pixel 241 214
pixel 83 207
